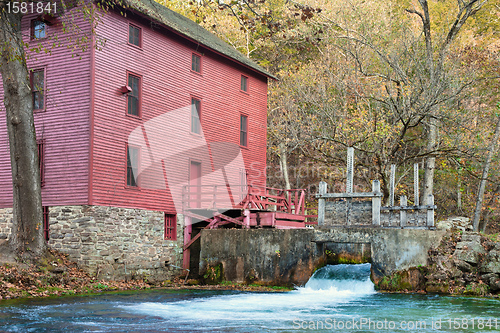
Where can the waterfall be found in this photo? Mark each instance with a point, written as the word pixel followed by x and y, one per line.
pixel 341 280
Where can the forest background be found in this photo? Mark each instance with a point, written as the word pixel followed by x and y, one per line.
pixel 401 81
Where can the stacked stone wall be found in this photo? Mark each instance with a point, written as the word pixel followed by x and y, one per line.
pixel 111 242
pixel 5 223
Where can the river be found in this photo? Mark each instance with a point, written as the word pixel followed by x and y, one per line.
pixel 338 298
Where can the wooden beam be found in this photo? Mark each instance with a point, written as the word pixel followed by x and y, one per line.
pixel 197 216
pixel 192 241
pixel 349 195
pixel 323 187
pixel 409 207
pixel 402 214
pixel 376 203
pixel 231 219
pixel 300 208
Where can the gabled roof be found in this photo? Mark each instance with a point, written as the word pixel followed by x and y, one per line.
pixel 191 30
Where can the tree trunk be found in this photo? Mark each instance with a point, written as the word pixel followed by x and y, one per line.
pixel 484 177
pixel 430 163
pixel 27 229
pixel 284 165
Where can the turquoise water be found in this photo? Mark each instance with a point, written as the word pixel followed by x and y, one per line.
pixel 337 298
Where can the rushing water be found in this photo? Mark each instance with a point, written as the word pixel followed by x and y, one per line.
pixel 337 298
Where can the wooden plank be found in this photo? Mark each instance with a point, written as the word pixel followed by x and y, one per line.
pixel 430 212
pixel 289 216
pixel 192 241
pixel 266 202
pixel 415 185
pixel 267 219
pixel 196 216
pixel 392 184
pixel 376 203
pixel 280 197
pixel 323 187
pixel 408 207
pixel 350 170
pixel 402 214
pixel 300 208
pixel 186 255
pixel 237 220
pixel 349 195
pixel 289 224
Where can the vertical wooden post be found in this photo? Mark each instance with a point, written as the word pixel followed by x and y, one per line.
pixel 415 184
pixel 430 212
pixel 350 183
pixel 321 202
pixel 403 202
pixel 246 219
pixel 392 185
pixel 186 255
pixel 376 203
pixel 350 169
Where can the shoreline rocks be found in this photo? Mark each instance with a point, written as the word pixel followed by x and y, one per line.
pixel 464 263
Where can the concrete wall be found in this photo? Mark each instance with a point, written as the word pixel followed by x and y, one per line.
pixel 271 256
pixel 290 256
pixel 111 242
pixel 392 249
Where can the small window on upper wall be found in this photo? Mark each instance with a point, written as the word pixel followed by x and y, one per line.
pixel 132 166
pixel 196 63
pixel 38 29
pixel 37 80
pixel 244 83
pixel 134 35
pixel 133 97
pixel 195 116
pixel 243 130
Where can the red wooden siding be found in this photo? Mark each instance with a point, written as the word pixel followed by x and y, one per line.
pixel 86 128
pixel 63 125
pixel 168 85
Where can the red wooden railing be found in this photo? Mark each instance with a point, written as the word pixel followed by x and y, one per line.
pixel 246 197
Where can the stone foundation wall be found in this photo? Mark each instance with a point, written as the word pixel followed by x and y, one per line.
pixel 111 242
pixel 5 222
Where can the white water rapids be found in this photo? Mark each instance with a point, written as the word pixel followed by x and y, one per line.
pixel 326 289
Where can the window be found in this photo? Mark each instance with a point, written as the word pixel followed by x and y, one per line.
pixel 46 223
pixel 132 166
pixel 195 116
pixel 170 226
pixel 134 82
pixel 38 29
pixel 41 160
pixel 38 88
pixel 196 63
pixel 243 130
pixel 134 35
pixel 244 83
